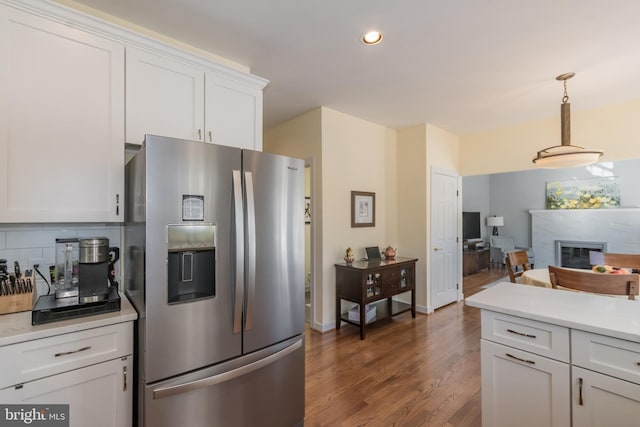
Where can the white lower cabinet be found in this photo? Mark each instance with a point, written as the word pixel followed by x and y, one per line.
pixel 530 378
pixel 98 395
pixel 603 401
pixel 605 380
pixel 90 369
pixel 523 389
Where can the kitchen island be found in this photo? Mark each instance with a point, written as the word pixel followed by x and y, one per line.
pixel 558 358
pixel 86 362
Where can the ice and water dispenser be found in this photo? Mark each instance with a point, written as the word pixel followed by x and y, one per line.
pixel 191 262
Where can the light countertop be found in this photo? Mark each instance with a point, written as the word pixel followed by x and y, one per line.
pixel 16 327
pixel 615 317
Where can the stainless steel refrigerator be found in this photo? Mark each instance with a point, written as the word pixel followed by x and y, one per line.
pixel 214 241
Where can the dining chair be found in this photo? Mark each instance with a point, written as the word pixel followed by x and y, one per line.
pixel 517 263
pixel 598 283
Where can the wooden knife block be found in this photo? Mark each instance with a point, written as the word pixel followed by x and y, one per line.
pixel 18 302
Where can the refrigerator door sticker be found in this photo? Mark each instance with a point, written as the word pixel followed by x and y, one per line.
pixel 192 208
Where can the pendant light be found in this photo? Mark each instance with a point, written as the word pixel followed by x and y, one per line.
pixel 566 155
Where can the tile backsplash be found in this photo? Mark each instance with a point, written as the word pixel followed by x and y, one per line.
pixel 31 244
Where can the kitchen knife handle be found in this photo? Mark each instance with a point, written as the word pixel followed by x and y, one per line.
pixel 251 250
pixel 239 258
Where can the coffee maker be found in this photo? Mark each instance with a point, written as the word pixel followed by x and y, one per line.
pixel 97 289
pixel 93 270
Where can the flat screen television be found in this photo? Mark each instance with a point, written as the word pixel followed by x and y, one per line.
pixel 471 226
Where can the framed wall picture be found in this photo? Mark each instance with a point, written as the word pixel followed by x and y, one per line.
pixel 307 210
pixel 363 209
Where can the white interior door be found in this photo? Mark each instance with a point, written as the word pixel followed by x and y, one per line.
pixel 444 276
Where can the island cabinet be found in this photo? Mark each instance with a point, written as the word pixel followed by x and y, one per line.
pixel 558 358
pixel 525 372
pixel 605 381
pixel 371 285
pixel 61 122
pixel 172 97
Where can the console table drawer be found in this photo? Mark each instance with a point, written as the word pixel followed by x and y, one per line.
pixel 612 356
pixel 536 337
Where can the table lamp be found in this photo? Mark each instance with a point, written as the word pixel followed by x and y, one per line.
pixel 495 222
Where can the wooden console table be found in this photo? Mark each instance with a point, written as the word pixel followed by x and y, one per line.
pixel 366 282
pixel 475 260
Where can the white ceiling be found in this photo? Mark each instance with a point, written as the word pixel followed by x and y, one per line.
pixel 462 65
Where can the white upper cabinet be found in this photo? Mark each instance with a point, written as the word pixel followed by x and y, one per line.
pixel 61 122
pixel 164 97
pixel 233 113
pixel 168 97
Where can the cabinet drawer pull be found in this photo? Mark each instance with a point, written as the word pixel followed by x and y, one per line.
pixel 580 401
pixel 210 137
pixel 521 333
pixel 124 378
pixel 531 362
pixel 65 353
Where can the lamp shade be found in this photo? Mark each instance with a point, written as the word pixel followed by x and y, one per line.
pixel 566 156
pixel 495 221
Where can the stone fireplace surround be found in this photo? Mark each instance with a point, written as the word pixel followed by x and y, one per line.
pixel 618 228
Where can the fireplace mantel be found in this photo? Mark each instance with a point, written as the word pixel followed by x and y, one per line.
pixel 618 227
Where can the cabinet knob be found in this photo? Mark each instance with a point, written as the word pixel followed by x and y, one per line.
pixel 437 249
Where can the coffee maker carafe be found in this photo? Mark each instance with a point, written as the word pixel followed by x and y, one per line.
pixel 93 269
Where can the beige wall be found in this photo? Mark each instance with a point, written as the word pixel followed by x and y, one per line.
pixel 360 156
pixel 613 128
pixel 412 204
pixel 421 149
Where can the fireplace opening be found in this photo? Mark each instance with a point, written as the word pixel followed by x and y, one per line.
pixel 575 254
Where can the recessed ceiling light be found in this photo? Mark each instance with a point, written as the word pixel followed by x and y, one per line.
pixel 372 37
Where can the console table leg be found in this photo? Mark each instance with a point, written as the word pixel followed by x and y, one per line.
pixel 413 304
pixel 363 310
pixel 338 309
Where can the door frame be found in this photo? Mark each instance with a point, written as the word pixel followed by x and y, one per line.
pixel 310 163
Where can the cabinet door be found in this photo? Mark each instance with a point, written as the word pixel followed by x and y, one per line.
pixel 98 395
pixel 522 389
pixel 61 122
pixel 164 97
pixel 606 401
pixel 233 113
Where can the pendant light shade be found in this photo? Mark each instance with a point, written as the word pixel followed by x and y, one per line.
pixel 566 155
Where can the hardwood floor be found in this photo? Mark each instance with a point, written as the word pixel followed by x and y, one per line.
pixel 408 372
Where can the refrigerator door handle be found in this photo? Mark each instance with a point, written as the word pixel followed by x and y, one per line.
pixel 251 250
pixel 239 258
pixel 162 392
